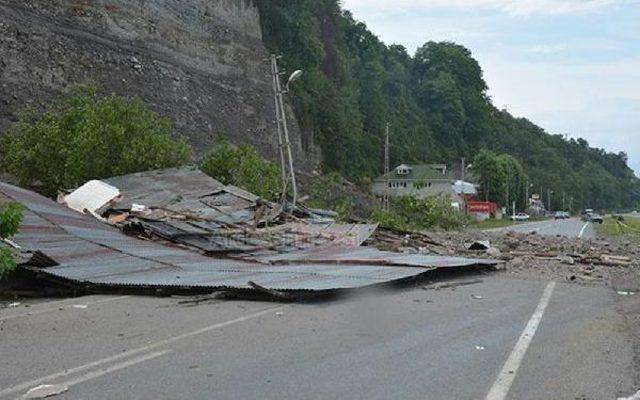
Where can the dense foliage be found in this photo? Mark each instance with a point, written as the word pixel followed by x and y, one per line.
pixel 435 101
pixel 328 192
pixel 243 167
pixel 82 135
pixel 502 178
pixel 10 218
pixel 409 213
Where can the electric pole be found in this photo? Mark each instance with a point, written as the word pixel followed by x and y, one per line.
pixel 506 202
pixel 385 199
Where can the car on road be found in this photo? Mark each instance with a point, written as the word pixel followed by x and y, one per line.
pixel 520 217
pixel 561 215
pixel 593 217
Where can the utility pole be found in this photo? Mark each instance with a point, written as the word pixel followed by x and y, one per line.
pixel 283 168
pixel 283 134
pixel 526 197
pixel 385 199
pixel 549 192
pixel 506 203
pixel 563 201
pixel 463 175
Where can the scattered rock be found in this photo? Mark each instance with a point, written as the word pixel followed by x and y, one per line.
pixel 44 391
pixel 567 260
pixel 480 245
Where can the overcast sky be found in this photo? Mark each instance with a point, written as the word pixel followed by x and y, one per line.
pixel 571 66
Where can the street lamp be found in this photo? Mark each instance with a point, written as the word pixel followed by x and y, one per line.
pixel 284 145
pixel 294 77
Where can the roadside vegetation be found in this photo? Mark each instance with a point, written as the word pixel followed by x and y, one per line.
pixel 618 226
pixel 10 218
pixel 244 167
pixel 493 223
pixel 329 192
pixel 412 214
pixel 82 135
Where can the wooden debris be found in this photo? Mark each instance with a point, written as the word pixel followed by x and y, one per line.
pixel 450 285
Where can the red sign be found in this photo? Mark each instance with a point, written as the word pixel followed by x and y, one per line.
pixel 482 207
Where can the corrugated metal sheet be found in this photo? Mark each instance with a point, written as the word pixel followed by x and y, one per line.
pixel 90 252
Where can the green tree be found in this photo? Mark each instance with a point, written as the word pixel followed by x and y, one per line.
pixel 502 178
pixel 10 219
pixel 243 167
pixel 82 135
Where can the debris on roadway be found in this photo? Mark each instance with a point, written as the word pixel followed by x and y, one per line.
pixel 529 255
pixel 45 391
pixel 179 231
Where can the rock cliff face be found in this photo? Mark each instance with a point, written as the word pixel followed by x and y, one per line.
pixel 201 63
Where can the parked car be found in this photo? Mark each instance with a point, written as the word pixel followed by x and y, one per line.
pixel 593 217
pixel 561 215
pixel 520 217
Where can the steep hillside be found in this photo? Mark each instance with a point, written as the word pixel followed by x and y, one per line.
pixel 436 102
pixel 200 62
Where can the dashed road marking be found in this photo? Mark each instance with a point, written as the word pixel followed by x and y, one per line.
pixel 505 378
pixel 126 354
pixel 113 368
pixel 582 230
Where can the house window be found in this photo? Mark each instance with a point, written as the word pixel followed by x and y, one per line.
pixel 429 184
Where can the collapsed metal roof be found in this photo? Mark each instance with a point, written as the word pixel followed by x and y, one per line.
pixel 92 254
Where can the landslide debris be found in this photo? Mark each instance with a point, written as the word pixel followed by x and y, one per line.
pixel 601 261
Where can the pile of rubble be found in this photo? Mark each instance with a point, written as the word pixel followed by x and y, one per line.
pixel 597 261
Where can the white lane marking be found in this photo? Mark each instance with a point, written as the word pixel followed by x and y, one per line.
pixel 508 373
pixel 113 368
pixel 62 306
pixel 582 230
pixel 151 346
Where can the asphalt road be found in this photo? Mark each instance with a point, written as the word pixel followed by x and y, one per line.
pixel 573 227
pixel 502 338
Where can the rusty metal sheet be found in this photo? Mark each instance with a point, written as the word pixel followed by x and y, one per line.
pixel 164 187
pixel 368 255
pixel 89 252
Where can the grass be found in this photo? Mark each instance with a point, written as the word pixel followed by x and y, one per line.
pixel 492 223
pixel 503 223
pixel 614 227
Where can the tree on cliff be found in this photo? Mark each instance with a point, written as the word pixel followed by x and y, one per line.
pixel 82 136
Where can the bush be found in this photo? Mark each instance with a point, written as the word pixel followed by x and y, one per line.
pixel 409 213
pixel 82 136
pixel 10 218
pixel 243 167
pixel 328 192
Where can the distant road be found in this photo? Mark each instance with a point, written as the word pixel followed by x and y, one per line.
pixel 573 227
